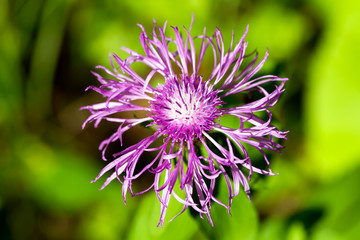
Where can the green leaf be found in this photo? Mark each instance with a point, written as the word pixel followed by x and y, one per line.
pixel 332 95
pixel 148 215
pixel 242 224
pixel 340 200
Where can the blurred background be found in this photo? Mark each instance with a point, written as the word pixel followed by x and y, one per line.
pixel 49 47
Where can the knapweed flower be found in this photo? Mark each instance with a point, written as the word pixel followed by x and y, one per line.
pixel 183 112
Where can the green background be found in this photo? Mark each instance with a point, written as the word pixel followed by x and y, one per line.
pixel 47 49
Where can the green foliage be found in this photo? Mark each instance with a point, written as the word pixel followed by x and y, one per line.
pixel 333 93
pixel 147 218
pixel 47 49
pixel 243 222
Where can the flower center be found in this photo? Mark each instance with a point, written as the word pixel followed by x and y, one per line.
pixel 184 108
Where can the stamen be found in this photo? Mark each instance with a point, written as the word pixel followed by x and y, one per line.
pixel 189 108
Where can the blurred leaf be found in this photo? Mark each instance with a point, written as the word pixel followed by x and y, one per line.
pixel 108 218
pixel 148 215
pixel 58 179
pixel 243 222
pixel 281 195
pixel 100 28
pixel 296 232
pixel 341 203
pixel 44 59
pixel 273 26
pixel 229 121
pixel 328 234
pixel 10 72
pixel 333 94
pixel 157 9
pixel 273 229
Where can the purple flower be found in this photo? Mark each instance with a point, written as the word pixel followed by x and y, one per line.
pixel 183 111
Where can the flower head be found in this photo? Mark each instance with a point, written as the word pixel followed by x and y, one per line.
pixel 185 107
pixel 183 111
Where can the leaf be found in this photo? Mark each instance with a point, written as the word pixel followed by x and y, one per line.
pixel 332 96
pixel 341 201
pixel 243 224
pixel 147 217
